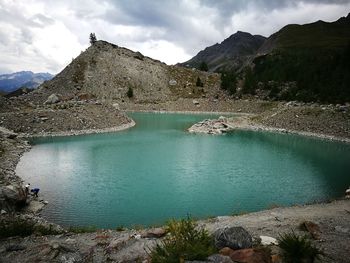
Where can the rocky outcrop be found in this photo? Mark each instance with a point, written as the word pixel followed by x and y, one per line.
pixel 218 126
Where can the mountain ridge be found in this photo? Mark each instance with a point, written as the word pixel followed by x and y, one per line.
pixel 230 54
pixel 13 81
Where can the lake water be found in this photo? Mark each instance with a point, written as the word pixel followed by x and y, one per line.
pixel 156 171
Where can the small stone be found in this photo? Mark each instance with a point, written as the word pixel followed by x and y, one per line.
pixel 55 245
pixel 195 102
pixel 266 240
pixel 312 228
pixel 217 258
pixel 172 82
pixel 3 212
pixel 154 233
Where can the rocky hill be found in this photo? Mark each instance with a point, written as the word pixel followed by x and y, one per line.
pixel 28 79
pixel 230 54
pixel 108 72
pixel 305 62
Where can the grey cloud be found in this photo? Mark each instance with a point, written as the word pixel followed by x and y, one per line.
pixel 181 22
pixel 42 20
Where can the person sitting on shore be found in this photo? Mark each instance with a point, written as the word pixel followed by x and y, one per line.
pixel 35 191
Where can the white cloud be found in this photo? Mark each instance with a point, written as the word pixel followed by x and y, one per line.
pixel 160 49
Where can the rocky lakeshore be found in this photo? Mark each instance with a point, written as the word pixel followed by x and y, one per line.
pixel 331 123
pixel 331 234
pixel 51 243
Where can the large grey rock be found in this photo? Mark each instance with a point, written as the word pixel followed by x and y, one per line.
pixel 53 98
pixel 11 196
pixel 233 237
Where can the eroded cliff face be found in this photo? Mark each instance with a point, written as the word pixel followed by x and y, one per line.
pixel 107 71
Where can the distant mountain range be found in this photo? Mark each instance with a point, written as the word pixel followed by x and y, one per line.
pixel 230 54
pixel 27 79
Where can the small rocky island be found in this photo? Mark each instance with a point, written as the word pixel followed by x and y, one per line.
pixel 208 126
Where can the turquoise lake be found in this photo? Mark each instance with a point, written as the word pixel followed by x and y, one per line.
pixel 156 171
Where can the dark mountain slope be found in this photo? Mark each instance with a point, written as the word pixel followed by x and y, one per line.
pixel 229 54
pixel 304 62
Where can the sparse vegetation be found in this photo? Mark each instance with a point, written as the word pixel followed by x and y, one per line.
pixel 318 74
pixel 82 229
pixel 120 228
pixel 199 82
pixel 184 242
pixel 93 38
pixel 249 85
pixel 203 66
pixel 298 249
pixel 130 92
pixel 23 227
pixel 229 82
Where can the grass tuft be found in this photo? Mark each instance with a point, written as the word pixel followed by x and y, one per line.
pixel 298 249
pixel 184 242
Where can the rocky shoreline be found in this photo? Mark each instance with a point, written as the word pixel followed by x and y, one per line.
pixel 223 125
pixel 121 127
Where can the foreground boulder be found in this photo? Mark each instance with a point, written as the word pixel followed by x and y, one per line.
pixel 233 237
pixel 12 196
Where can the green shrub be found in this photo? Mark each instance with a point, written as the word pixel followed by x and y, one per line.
pixel 16 228
pixel 229 82
pixel 24 227
pixel 199 82
pixel 120 228
pixel 184 242
pixel 203 66
pixel 130 92
pixel 249 85
pixel 298 249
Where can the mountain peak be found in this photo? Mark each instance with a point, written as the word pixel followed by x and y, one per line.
pixel 229 53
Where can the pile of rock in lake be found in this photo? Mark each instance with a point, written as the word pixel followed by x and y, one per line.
pixel 218 126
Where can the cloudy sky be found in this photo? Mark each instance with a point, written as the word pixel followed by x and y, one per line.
pixel 44 35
